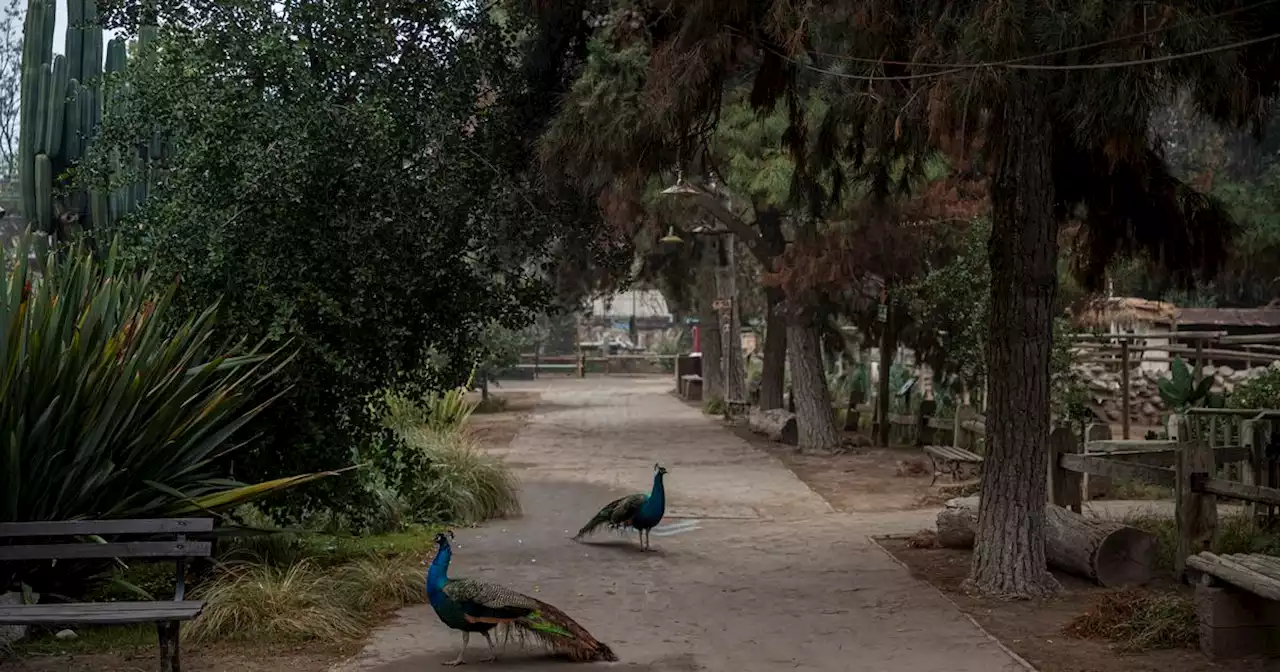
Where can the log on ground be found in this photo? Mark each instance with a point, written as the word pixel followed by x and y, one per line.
pixel 775 423
pixel 1109 553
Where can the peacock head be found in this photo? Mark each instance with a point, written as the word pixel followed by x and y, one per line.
pixel 659 469
pixel 443 538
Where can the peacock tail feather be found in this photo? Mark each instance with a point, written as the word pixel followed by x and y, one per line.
pixel 554 630
pixel 615 514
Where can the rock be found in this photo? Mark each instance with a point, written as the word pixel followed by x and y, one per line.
pixel 1149 409
pixel 11 633
pixel 66 634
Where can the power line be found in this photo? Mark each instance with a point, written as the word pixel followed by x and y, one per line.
pixel 1028 66
pixel 1056 52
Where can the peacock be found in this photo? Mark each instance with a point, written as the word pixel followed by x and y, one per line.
pixel 479 606
pixel 640 512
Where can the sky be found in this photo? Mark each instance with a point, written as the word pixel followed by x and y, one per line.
pixel 60 31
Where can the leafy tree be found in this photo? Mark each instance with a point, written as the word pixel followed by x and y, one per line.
pixel 341 176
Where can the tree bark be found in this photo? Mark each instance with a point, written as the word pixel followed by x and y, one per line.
pixel 1107 552
pixel 774 364
pixel 815 415
pixel 709 326
pixel 735 383
pixel 1009 559
pixel 882 390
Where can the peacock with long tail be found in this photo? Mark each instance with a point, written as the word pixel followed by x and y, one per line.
pixel 479 606
pixel 640 512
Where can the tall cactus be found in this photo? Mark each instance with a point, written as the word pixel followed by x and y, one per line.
pixel 62 102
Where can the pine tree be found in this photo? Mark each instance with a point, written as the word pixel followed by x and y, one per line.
pixel 1051 100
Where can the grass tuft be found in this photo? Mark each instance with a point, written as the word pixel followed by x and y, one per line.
pixel 377 582
pixel 292 603
pixel 467 485
pixel 1137 621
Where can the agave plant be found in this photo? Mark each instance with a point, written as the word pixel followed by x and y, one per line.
pixel 1180 391
pixel 107 408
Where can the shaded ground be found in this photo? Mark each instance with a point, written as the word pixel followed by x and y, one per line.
pixel 870 480
pixel 1033 630
pixel 753 570
pixel 237 657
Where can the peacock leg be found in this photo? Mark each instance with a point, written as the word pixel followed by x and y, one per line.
pixel 493 653
pixel 466 637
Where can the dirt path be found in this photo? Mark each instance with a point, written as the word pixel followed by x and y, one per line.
pixel 754 572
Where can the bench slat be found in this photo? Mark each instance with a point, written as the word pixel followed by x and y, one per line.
pixel 953 453
pixel 99 613
pixel 131 549
pixel 58 528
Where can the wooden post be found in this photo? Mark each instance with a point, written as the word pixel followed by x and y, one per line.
pixel 1124 388
pixel 1197 513
pixel 852 415
pixel 582 364
pixel 924 432
pixel 1064 485
pixel 1199 360
pixel 1094 485
pixel 956 433
pixel 1249 431
pixel 535 362
pixel 170 656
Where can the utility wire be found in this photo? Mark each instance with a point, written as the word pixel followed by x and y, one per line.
pixel 1047 54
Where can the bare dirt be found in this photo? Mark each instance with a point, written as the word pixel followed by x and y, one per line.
pixel 1034 630
pixel 868 480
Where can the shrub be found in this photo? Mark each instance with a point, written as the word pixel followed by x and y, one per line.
pixel 108 409
pixel 1260 391
pixel 439 412
pixel 460 483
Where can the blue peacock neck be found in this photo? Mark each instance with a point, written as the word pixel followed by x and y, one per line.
pixel 438 575
pixel 657 501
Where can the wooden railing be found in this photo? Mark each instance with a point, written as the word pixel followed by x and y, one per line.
pixel 580 364
pixel 1194 464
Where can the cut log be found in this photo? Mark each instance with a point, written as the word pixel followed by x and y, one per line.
pixel 775 423
pixel 1109 553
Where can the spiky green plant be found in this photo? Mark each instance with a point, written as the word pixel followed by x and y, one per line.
pixel 107 408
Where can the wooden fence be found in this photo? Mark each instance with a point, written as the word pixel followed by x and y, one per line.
pixel 581 364
pixel 1193 462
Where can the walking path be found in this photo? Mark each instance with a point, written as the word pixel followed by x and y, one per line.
pixel 753 572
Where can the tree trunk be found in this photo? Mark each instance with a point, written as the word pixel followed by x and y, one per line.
pixel 883 393
pixel 484 388
pixel 773 373
pixel 814 412
pixel 709 327
pixel 1109 553
pixel 1009 559
pixel 735 384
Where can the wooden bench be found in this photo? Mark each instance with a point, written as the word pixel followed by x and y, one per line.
pixel 953 458
pixel 70 540
pixel 1238 604
pixel 691 387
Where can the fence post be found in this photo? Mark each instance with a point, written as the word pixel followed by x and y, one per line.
pixel 924 432
pixel 582 364
pixel 852 415
pixel 1064 485
pixel 1196 513
pixel 1249 431
pixel 1096 486
pixel 957 440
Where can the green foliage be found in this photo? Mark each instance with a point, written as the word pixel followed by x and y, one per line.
pixel 1259 391
pixel 347 191
pixel 1180 391
pixel 949 303
pixel 438 412
pixel 115 404
pixel 458 482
